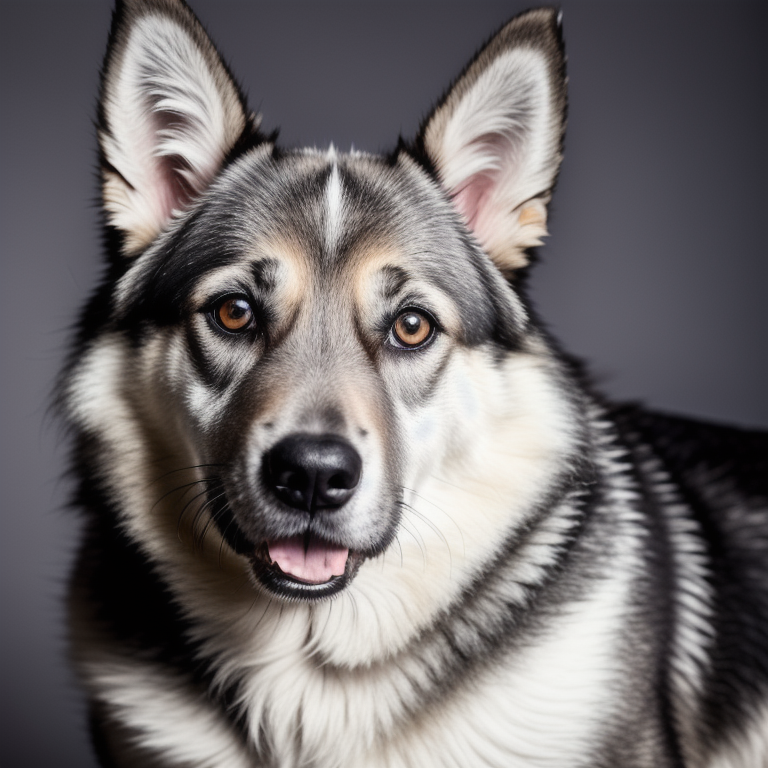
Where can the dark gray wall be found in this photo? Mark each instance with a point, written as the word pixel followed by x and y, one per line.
pixel 655 270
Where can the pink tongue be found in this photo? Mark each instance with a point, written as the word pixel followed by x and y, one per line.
pixel 318 564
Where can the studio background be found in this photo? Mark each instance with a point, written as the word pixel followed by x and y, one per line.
pixel 655 270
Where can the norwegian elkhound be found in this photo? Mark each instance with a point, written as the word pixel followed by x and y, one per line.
pixel 348 504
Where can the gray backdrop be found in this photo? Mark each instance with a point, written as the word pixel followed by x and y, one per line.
pixel 655 269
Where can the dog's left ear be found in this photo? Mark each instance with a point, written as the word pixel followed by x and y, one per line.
pixel 496 138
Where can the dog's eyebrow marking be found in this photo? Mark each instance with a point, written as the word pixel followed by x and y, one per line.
pixel 368 262
pixel 334 201
pixel 287 272
pixel 263 272
pixel 393 280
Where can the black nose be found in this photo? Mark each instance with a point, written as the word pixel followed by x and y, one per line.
pixel 312 472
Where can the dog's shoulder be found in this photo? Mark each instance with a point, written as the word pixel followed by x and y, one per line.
pixel 701 456
pixel 719 475
pixel 719 472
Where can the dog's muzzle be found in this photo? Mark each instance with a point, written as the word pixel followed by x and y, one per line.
pixel 310 478
pixel 308 474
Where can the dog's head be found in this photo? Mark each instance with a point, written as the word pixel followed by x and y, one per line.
pixel 307 328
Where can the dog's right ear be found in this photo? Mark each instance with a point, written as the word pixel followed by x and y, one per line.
pixel 169 114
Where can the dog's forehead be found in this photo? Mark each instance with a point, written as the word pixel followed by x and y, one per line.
pixel 350 213
pixel 335 204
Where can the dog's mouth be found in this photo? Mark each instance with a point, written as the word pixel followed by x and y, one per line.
pixel 304 566
pixel 308 559
pixel 301 567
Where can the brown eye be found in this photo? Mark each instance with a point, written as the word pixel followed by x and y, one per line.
pixel 412 329
pixel 233 314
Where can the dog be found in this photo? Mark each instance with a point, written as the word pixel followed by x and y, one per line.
pixel 347 502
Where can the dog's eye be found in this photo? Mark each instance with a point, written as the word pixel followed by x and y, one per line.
pixel 233 314
pixel 412 329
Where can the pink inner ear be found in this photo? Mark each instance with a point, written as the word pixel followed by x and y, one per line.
pixel 471 201
pixel 175 191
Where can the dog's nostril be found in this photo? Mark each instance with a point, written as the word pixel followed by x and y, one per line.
pixel 339 481
pixel 295 481
pixel 312 472
pixel 292 487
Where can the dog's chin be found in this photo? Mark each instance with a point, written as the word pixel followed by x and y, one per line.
pixel 305 586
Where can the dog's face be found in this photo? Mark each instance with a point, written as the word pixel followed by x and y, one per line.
pixel 313 333
pixel 307 323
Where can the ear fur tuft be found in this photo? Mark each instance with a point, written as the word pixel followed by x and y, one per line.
pixel 496 138
pixel 170 112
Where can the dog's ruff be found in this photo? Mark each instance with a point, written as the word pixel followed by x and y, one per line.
pixel 347 503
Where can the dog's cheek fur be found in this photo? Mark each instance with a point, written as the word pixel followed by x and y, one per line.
pixel 152 459
pixel 477 460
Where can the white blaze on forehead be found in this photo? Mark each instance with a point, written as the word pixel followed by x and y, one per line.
pixel 334 202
